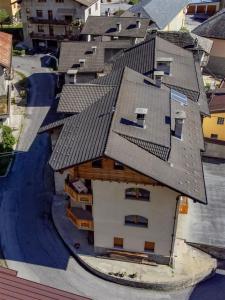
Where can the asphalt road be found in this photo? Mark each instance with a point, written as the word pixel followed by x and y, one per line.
pixel 30 242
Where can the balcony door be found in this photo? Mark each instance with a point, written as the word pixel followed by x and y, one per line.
pixel 50 15
pixel 51 30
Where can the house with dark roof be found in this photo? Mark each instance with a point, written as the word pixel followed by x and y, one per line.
pixel 203 7
pixel 164 14
pixel 48 23
pixel 5 74
pixel 82 62
pixel 214 29
pixel 106 28
pixel 214 125
pixel 130 152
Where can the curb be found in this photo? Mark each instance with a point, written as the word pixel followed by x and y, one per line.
pixel 160 286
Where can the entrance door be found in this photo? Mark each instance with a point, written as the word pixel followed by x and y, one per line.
pixel 50 16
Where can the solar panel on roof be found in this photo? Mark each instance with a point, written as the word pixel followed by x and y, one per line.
pixel 179 97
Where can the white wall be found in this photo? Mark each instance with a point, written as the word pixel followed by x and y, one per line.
pixel 95 10
pixel 110 208
pixel 177 22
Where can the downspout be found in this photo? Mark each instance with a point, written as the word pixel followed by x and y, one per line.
pixel 174 232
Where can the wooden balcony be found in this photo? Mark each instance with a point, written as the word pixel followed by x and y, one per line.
pixel 86 198
pixel 49 21
pixel 81 218
pixel 58 37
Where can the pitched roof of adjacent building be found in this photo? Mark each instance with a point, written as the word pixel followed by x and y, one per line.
pixel 77 97
pixel 185 71
pixel 108 128
pixel 213 27
pixel 96 60
pixel 161 12
pixel 5 49
pixel 107 26
pixel 13 287
pixel 217 103
pixel 86 2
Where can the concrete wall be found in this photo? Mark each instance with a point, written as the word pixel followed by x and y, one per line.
pixel 177 22
pixel 110 208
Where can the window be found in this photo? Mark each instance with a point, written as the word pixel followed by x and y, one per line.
pixel 214 136
pixel 118 166
pixel 97 163
pixel 41 0
pixel 149 246
pixel 137 194
pixel 96 6
pixel 163 66
pixel 118 242
pixel 135 220
pixel 39 13
pixel 89 11
pixel 59 1
pixel 220 121
pixel 40 28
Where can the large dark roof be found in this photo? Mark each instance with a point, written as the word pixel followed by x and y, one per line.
pixel 161 12
pixel 185 72
pixel 13 287
pixel 213 27
pixel 107 26
pixel 77 97
pixel 107 127
pixel 71 52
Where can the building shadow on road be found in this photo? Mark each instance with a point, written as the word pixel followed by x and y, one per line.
pixel 210 289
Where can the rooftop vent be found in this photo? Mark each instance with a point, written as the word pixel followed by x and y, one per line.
pixel 138 24
pixel 118 27
pixel 94 49
pixel 180 116
pixel 82 62
pixel 139 14
pixel 158 75
pixel 164 64
pixel 140 116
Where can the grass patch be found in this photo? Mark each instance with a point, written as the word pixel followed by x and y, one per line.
pixel 18 52
pixel 119 12
pixel 18 25
pixel 133 2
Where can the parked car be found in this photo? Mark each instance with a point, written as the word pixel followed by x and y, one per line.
pixel 21 46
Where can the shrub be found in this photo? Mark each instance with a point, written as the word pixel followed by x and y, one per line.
pixel 7 139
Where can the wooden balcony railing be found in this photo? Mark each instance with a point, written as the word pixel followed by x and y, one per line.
pixel 49 21
pixel 78 197
pixel 82 219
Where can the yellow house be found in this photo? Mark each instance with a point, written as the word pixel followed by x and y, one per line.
pixel 214 126
pixel 11 6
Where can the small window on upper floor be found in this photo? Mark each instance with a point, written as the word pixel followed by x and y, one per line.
pixel 59 1
pixel 97 163
pixel 220 121
pixel 136 220
pixel 39 13
pixel 41 28
pixel 118 166
pixel 89 11
pixel 214 136
pixel 137 194
pixel 41 0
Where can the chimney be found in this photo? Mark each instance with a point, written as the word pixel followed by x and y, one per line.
pixel 88 37
pixel 180 116
pixel 138 24
pixel 118 27
pixel 82 62
pixel 164 64
pixel 94 49
pixel 139 14
pixel 107 13
pixel 140 116
pixel 158 75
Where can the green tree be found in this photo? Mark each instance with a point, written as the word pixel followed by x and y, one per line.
pixel 7 139
pixel 3 16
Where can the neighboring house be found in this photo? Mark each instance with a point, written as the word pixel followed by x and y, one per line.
pixel 132 150
pixel 203 7
pixel 106 28
pixel 200 46
pixel 164 14
pixel 214 29
pixel 13 287
pixel 5 74
pixel 12 7
pixel 81 62
pixel 48 22
pixel 214 126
